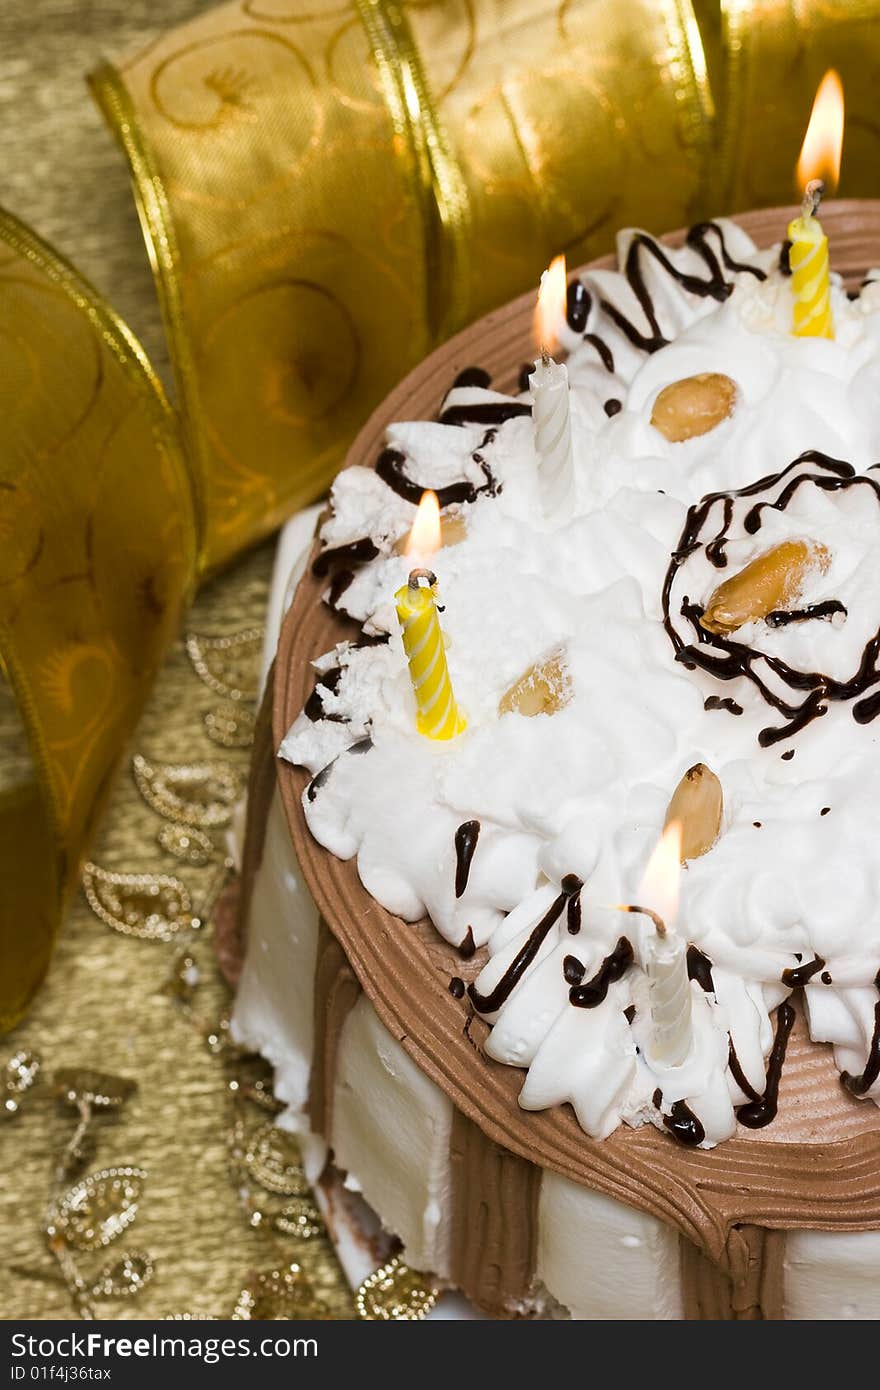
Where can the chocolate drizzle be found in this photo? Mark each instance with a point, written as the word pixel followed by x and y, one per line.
pixel 714 286
pixel 391 468
pixel 466 837
pixel 489 1003
pixel 738 1074
pixel 467 947
pixel 354 553
pixel 491 487
pixel 799 975
pixel 344 559
pixel 572 885
pixel 828 609
pixel 577 306
pixel 579 302
pixel 606 356
pixel 722 702
pixel 860 1085
pixel 759 1112
pixel 573 915
pixel 716 552
pixel 725 658
pixel 321 778
pixel 484 413
pixel 699 968
pixel 573 970
pixel 785 258
pixel 314 705
pixel 867 709
pixel 613 967
pixel 684 1126
pixel 338 585
pixel 319 781
pixel 473 376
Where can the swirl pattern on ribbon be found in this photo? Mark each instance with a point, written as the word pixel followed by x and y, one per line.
pixel 98 556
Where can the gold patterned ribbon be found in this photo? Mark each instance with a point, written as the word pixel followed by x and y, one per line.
pixel 96 561
pixel 775 53
pixel 329 189
pixel 433 172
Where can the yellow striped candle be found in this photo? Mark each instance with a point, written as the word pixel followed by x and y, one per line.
pixel 808 258
pixel 439 716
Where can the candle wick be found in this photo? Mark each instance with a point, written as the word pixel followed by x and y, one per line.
pixel 417 575
pixel 646 912
pixel 813 194
pixel 545 355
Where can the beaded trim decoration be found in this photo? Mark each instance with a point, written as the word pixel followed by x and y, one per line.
pixel 19 1075
pixel 277 1294
pixel 151 906
pixel 226 664
pixel 201 794
pixel 186 842
pixel 231 725
pixel 395 1293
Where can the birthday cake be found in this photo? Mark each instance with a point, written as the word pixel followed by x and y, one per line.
pixel 564 932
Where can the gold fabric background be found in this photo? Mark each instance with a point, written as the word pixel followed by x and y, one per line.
pixel 61 169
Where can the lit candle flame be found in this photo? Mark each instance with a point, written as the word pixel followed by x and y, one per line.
pixel 659 887
pixel 425 538
pixel 550 308
pixel 823 142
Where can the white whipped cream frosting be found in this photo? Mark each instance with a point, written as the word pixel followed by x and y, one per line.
pixel 584 791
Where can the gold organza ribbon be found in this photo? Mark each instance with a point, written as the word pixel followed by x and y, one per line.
pixel 327 190
pixel 97 551
pixel 330 189
pixel 775 54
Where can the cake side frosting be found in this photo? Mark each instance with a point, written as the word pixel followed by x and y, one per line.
pixel 580 795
